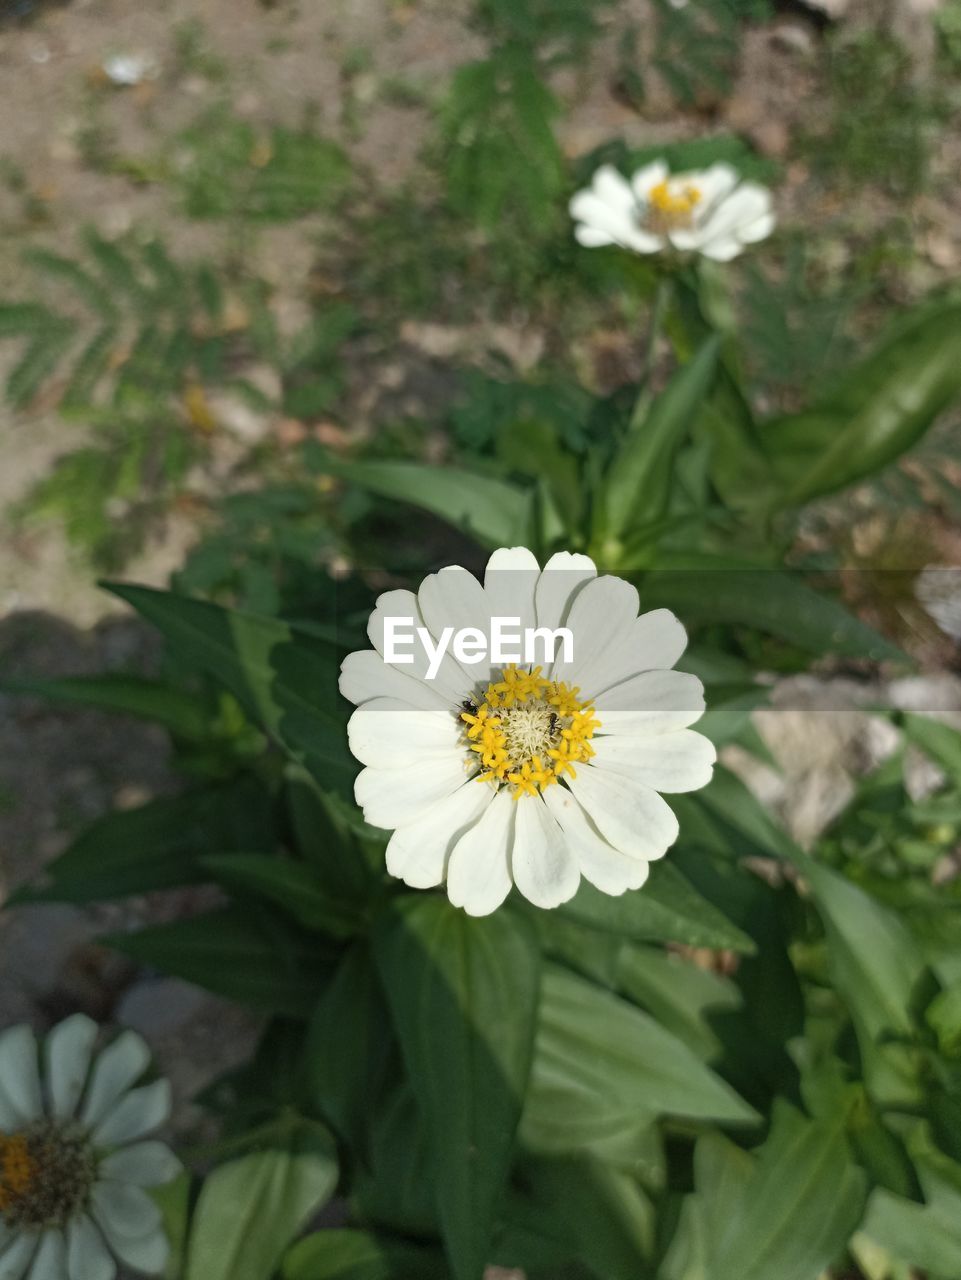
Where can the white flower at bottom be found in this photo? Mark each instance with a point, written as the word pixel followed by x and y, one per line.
pixel 526 775
pixel 73 1163
pixel 711 212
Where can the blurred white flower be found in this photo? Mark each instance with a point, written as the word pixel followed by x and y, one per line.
pixel 130 69
pixel 528 775
pixel 73 1163
pixel 711 212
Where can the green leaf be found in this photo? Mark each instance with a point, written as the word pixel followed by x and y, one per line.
pixel 666 909
pixel 284 678
pixel 158 846
pixel 875 962
pixel 463 998
pixel 788 1214
pixel 252 1207
pixel 712 590
pixel 640 478
pixel 679 994
pixel 601 1063
pixel 880 410
pixel 361 1255
pixel 236 954
pixel 937 740
pixel 129 695
pixel 294 887
pixel 929 1235
pixel 491 511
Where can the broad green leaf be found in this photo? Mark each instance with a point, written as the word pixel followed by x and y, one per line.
pixel 599 1062
pixel 666 909
pixel 781 604
pixel 489 510
pixel 639 480
pixel 926 1235
pixel 330 834
pixel 743 823
pixel 939 741
pixel 131 695
pixel 395 1186
pixel 597 1214
pixel 349 1048
pixel 251 1208
pixel 158 846
pixel 943 1016
pixel 789 1213
pixel 235 954
pixel 293 886
pixel 874 960
pixel 361 1255
pixel 679 994
pixel 286 680
pixel 880 409
pixel 463 998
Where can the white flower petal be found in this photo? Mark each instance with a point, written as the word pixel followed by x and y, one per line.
pixel 16 1257
pixel 391 798
pixel 715 183
pixel 50 1261
pixel 629 815
pixel 543 864
pixel 613 188
pixel 138 1113
pixel 759 229
pixel 454 598
pixel 122 1212
pixel 119 1066
pixel 449 679
pixel 590 238
pixel 10 1117
pixel 743 206
pixel 600 620
pixel 722 250
pixel 672 762
pixel 417 852
pixel 365 675
pixel 20 1073
pixel 591 211
pixel 478 874
pixel 510 578
pixel 88 1257
pixel 604 866
pixel 654 641
pixel 562 577
pixel 147 1254
pixel 650 703
pixel 67 1053
pixel 651 175
pixel 384 735
pixel 145 1164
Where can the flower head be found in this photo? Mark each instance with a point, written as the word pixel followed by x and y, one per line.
pixel 72 1161
pixel 710 212
pixel 526 773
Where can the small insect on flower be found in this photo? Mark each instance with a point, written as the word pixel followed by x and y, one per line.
pixel 548 772
pixel 712 212
pixel 73 1162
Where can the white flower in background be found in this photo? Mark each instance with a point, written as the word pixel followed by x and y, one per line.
pixel 73 1164
pixel 711 212
pixel 526 775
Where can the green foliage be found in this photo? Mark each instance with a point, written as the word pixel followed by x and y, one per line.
pixel 227 169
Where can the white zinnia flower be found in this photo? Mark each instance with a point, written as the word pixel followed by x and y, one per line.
pixel 72 1163
pixel 710 212
pixel 526 775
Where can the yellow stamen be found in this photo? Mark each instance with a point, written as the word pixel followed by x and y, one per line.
pixel 671 205
pixel 17 1168
pixel 528 731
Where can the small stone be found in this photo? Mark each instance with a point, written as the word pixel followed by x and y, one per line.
pixel 157 1007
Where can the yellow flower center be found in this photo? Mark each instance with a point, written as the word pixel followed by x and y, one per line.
pixel 45 1175
pixel 671 205
pixel 528 731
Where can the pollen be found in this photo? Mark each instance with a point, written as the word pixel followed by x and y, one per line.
pixel 46 1174
pixel 18 1169
pixel 528 731
pixel 671 205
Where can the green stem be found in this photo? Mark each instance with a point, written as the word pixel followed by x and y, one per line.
pixel 662 299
